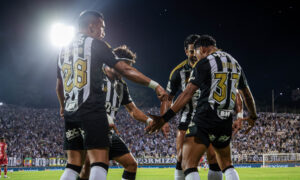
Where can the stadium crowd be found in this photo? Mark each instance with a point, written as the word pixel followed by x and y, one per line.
pixel 38 133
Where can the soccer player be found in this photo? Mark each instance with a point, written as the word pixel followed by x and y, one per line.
pixel 3 156
pixel 117 94
pixel 177 82
pixel 218 76
pixel 82 103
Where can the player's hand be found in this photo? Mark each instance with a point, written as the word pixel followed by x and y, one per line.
pixel 236 126
pixel 114 127
pixel 251 120
pixel 61 112
pixel 166 129
pixel 156 125
pixel 161 93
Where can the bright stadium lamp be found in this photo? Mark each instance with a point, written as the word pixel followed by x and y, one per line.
pixel 61 34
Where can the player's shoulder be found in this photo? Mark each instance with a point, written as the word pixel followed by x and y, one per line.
pixel 178 68
pixel 99 44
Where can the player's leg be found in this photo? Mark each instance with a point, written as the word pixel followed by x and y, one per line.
pixel 96 141
pixel 130 166
pixel 74 163
pixel 224 159
pixel 5 170
pixel 73 144
pixel 85 171
pixel 214 172
pixel 99 163
pixel 221 146
pixel 193 149
pixel 179 143
pixel 119 152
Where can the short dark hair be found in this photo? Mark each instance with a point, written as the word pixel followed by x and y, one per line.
pixel 124 52
pixel 190 40
pixel 88 17
pixel 205 40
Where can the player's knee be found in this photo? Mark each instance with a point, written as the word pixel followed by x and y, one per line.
pixel 131 166
pixel 85 172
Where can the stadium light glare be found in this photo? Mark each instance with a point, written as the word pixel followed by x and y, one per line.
pixel 61 34
pixel 1 103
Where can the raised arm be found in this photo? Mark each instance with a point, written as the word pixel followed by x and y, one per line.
pixel 136 76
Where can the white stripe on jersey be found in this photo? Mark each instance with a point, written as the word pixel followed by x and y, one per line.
pixel 183 79
pixel 87 57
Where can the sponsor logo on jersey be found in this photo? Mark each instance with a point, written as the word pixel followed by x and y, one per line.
pixel 223 138
pixel 72 133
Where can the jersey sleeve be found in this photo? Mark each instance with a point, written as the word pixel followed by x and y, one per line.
pixel 173 83
pixel 200 73
pixel 126 96
pixel 243 81
pixel 104 53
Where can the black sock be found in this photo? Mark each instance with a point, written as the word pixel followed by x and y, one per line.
pixel 81 178
pixel 74 167
pixel 190 170
pixel 227 168
pixel 214 167
pixel 178 165
pixel 129 175
pixel 101 164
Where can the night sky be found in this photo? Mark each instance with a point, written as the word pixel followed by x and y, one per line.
pixel 262 36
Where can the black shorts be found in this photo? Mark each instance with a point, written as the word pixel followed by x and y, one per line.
pixel 87 132
pixel 219 136
pixel 117 147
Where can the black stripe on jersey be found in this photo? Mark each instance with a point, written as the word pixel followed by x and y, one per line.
pixel 220 68
pixel 189 115
pixel 80 96
pixel 187 77
pixel 219 63
pixel 229 81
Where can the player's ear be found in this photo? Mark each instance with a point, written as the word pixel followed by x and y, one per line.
pixel 91 29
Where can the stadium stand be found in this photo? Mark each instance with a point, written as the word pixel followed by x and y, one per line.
pixel 38 133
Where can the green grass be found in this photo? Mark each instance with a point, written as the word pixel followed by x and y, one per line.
pixel 167 174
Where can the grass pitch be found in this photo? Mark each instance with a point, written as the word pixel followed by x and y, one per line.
pixel 168 174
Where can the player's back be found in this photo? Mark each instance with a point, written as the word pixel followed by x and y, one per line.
pixel 220 75
pixel 80 66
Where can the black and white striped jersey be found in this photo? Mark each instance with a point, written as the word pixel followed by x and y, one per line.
pixel 117 94
pixel 218 76
pixel 80 68
pixel 177 83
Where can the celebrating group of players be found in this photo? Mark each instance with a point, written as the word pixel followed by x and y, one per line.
pixel 90 91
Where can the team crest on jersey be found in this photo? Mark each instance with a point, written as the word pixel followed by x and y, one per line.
pixel 212 137
pixel 104 88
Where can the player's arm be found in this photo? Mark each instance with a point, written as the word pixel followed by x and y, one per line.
pixel 237 124
pixel 244 90
pixel 173 86
pixel 5 149
pixel 184 97
pixel 137 114
pixel 60 92
pixel 136 76
pixel 180 102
